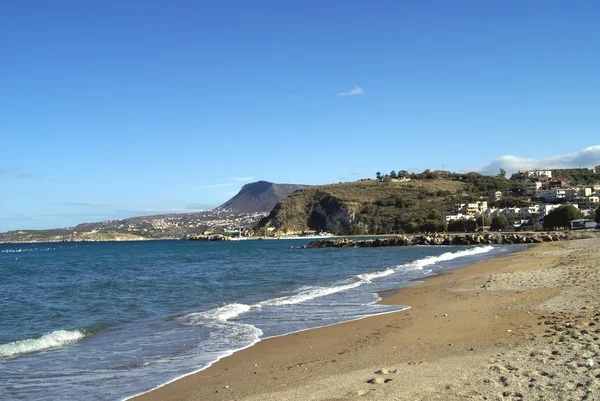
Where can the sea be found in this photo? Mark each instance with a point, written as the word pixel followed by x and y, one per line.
pixel 107 321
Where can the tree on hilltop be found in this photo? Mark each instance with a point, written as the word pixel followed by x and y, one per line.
pixel 378 176
pixel 393 174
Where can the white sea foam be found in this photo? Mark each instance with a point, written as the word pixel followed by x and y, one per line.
pixel 226 335
pixel 432 260
pixel 306 294
pixel 59 338
pixel 420 264
pixel 19 250
pixel 367 277
pixel 220 314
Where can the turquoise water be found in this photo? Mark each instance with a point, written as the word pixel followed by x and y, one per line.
pixel 135 315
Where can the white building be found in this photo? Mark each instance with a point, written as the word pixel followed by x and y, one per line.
pixel 495 196
pixel 579 192
pixel 527 175
pixel 532 187
pixel 470 209
pixel 552 195
pixel 589 202
pixel 458 216
pixel 512 213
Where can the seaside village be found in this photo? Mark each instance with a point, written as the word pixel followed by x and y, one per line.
pixel 547 193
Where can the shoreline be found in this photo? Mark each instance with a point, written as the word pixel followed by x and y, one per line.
pixel 231 353
pixel 188 386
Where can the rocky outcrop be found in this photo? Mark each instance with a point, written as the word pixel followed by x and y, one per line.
pixel 444 239
pixel 312 210
pixel 330 215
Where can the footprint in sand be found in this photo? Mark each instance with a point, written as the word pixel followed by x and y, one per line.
pixel 385 371
pixel 381 380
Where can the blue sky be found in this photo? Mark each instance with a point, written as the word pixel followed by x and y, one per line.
pixel 112 109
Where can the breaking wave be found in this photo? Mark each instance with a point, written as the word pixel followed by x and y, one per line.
pixel 56 339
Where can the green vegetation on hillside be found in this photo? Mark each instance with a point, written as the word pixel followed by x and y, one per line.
pixel 461 225
pixel 475 183
pixel 578 176
pixel 384 205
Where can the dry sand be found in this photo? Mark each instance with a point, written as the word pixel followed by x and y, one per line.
pixel 523 327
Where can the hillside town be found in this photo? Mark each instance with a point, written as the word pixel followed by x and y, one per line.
pixel 546 193
pixel 177 225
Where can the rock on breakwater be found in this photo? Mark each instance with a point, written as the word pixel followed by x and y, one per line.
pixel 214 237
pixel 444 239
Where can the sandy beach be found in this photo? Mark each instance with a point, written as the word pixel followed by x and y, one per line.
pixel 522 327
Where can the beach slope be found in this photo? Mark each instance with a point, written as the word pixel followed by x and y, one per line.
pixel 521 327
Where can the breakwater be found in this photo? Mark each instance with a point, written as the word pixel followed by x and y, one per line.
pixel 211 237
pixel 444 239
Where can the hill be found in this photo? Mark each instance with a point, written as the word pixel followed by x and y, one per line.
pixel 260 196
pixel 252 203
pixel 376 206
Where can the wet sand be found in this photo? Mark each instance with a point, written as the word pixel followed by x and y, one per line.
pixel 521 327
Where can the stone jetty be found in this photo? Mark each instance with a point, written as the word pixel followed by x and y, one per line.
pixel 213 237
pixel 444 239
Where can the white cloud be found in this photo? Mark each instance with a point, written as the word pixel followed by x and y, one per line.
pixel 243 179
pixel 586 158
pixel 357 90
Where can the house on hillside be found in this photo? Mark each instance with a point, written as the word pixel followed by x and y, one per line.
pixel 596 170
pixel 559 182
pixel 495 196
pixel 539 175
pixel 551 196
pixel 470 209
pixel 458 216
pixel 532 187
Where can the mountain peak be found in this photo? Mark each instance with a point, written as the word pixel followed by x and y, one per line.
pixel 259 197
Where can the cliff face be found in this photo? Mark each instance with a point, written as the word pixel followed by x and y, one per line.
pixel 294 215
pixel 332 215
pixel 363 206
